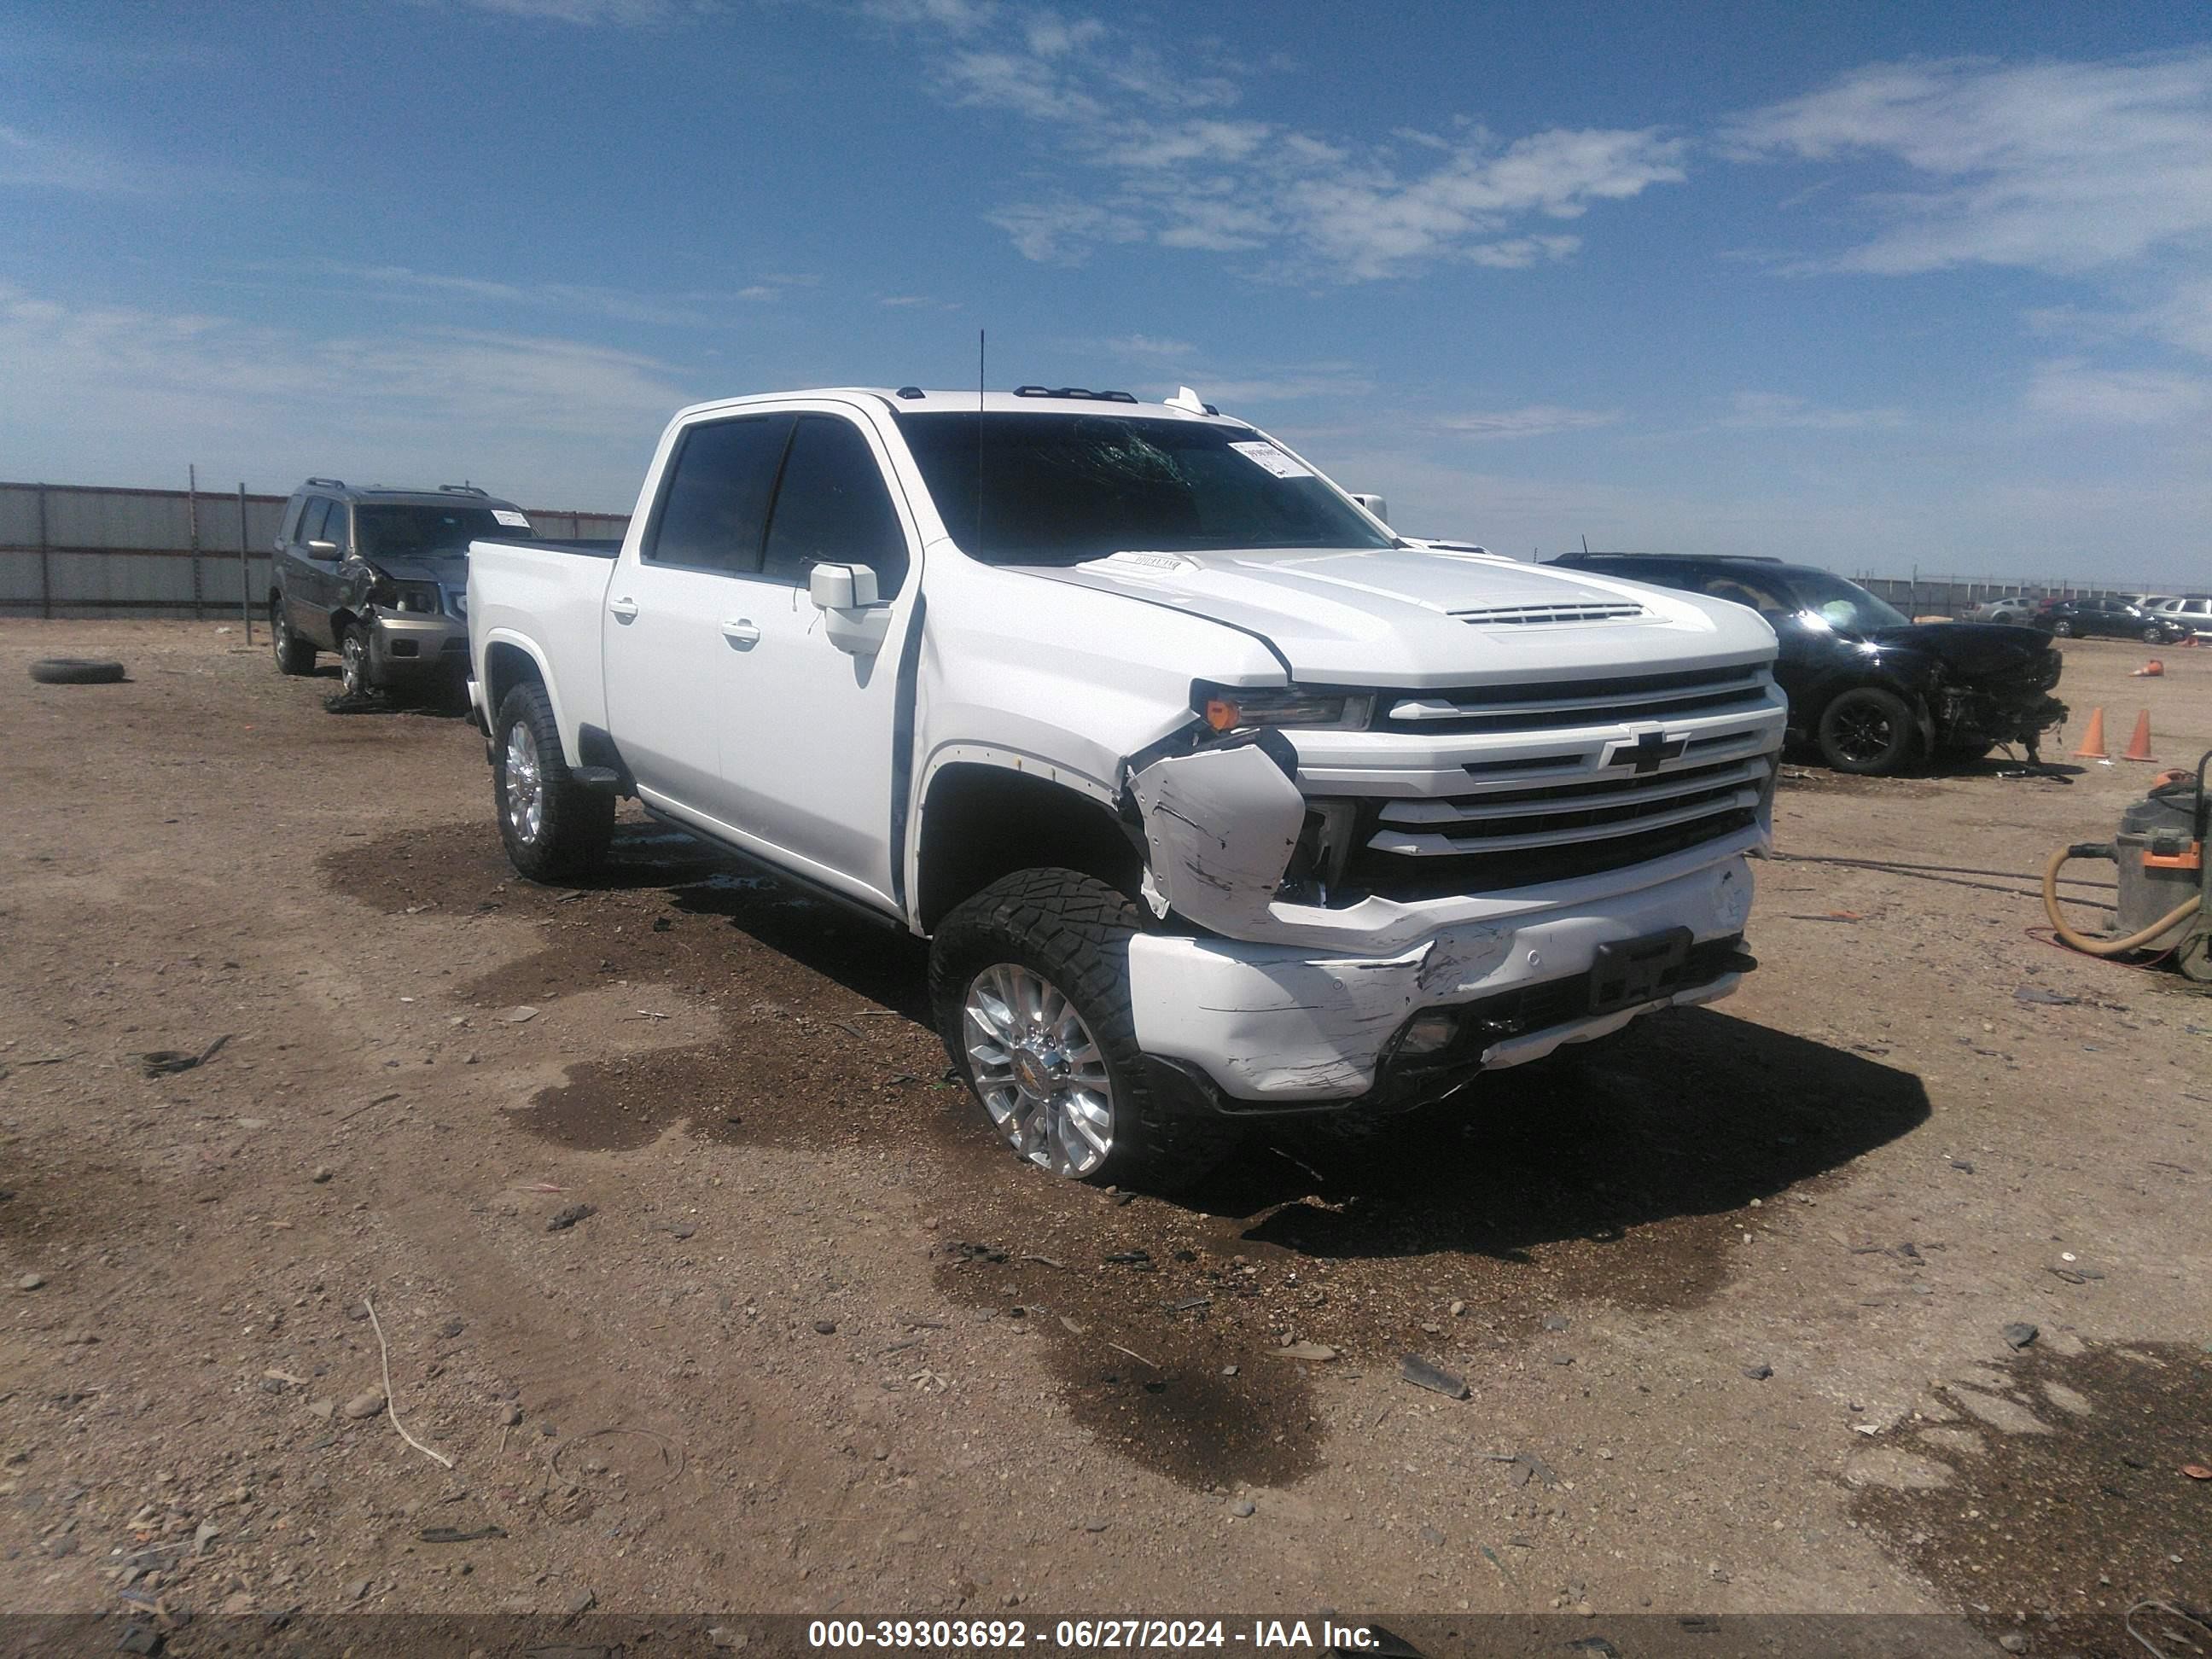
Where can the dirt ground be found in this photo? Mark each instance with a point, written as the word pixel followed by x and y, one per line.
pixel 1729 1295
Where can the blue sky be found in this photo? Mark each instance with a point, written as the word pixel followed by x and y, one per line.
pixel 1877 285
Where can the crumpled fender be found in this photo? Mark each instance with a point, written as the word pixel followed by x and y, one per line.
pixel 1220 825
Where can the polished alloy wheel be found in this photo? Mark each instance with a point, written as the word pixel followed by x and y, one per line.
pixel 525 784
pixel 1038 1070
pixel 280 631
pixel 353 667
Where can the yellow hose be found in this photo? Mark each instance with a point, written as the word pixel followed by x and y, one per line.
pixel 2103 947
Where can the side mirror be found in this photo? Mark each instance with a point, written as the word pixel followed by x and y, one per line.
pixel 842 586
pixel 324 549
pixel 1374 504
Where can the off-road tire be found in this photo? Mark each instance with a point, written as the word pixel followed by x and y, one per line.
pixel 1862 703
pixel 293 654
pixel 1074 930
pixel 75 671
pixel 578 823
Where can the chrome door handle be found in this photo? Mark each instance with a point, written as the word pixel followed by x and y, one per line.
pixel 741 632
pixel 625 609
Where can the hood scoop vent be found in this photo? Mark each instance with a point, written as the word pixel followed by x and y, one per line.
pixel 1552 615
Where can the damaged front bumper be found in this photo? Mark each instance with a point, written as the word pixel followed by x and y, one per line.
pixel 1270 1004
pixel 1281 1027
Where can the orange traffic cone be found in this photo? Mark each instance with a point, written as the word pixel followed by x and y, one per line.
pixel 2092 740
pixel 2153 669
pixel 2138 747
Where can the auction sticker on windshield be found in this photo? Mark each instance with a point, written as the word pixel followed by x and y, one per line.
pixel 1267 455
pixel 509 517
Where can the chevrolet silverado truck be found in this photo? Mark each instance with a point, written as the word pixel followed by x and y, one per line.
pixel 1214 798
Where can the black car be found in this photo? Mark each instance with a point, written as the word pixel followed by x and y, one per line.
pixel 380 577
pixel 2111 618
pixel 1874 692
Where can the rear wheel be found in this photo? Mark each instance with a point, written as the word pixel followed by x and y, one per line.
pixel 2063 629
pixel 554 828
pixel 1029 983
pixel 293 654
pixel 1868 732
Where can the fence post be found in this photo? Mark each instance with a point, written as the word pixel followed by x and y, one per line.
pixel 193 515
pixel 245 570
pixel 46 563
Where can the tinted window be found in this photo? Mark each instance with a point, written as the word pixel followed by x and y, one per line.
pixel 334 527
pixel 1740 587
pixel 393 531
pixel 311 520
pixel 1062 489
pixel 832 508
pixel 715 505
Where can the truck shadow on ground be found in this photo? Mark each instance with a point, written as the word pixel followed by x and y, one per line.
pixel 1619 1175
pixel 1692 1114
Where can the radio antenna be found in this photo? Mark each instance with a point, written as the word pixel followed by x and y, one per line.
pixel 981 341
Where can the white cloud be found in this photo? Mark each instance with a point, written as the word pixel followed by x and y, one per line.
pixel 1149 345
pixel 2068 389
pixel 696 308
pixel 546 417
pixel 1774 411
pixel 1182 175
pixel 1063 232
pixel 588 14
pixel 1533 421
pixel 2054 167
pixel 32 160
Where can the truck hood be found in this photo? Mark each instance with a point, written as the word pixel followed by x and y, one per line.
pixel 446 569
pixel 1971 651
pixel 1417 616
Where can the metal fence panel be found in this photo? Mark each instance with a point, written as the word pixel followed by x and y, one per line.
pixel 105 551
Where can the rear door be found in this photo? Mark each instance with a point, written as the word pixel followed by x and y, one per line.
pixel 666 653
pixel 810 732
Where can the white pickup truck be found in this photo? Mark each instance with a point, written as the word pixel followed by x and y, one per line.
pixel 1215 798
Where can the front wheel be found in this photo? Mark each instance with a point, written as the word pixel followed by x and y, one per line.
pixel 1029 983
pixel 352 663
pixel 2154 635
pixel 1868 732
pixel 554 828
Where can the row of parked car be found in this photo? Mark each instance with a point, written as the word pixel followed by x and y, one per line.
pixel 2153 618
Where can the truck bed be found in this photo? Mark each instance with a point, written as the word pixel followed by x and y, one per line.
pixel 590 549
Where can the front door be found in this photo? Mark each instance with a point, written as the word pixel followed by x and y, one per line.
pixel 810 732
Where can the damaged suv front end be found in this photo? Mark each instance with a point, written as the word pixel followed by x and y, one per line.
pixel 1435 884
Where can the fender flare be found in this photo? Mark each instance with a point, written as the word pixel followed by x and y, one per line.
pixel 571 751
pixel 1004 757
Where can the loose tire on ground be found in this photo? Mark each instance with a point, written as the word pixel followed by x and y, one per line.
pixel 1868 732
pixel 554 828
pixel 293 654
pixel 75 671
pixel 1073 931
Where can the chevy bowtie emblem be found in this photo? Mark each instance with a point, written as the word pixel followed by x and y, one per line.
pixel 1648 753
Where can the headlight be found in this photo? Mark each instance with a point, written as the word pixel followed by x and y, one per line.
pixel 1242 708
pixel 418 599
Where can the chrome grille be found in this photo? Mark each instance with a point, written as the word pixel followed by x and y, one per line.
pixel 1492 787
pixel 1505 709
